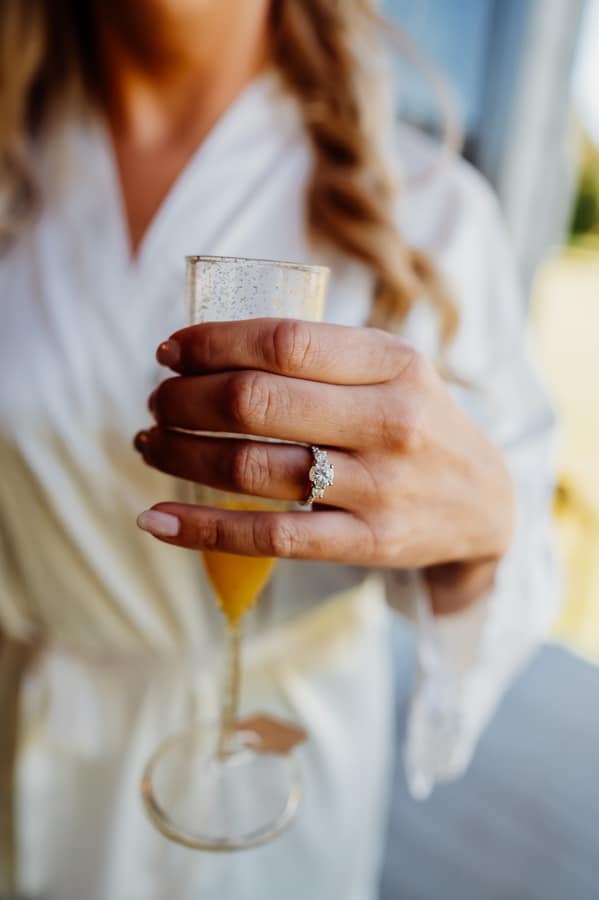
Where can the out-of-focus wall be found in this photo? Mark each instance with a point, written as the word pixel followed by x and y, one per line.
pixel 457 39
pixel 510 62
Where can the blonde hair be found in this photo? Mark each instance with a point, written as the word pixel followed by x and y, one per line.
pixel 318 47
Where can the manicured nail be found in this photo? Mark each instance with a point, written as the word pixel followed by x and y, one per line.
pixel 169 353
pixel 158 523
pixel 141 441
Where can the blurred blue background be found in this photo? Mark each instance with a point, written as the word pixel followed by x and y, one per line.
pixel 510 63
pixel 457 37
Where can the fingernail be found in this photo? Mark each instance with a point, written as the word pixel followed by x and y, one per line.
pixel 141 441
pixel 158 523
pixel 169 353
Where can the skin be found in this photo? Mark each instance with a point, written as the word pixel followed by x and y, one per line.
pixel 417 484
pixel 170 70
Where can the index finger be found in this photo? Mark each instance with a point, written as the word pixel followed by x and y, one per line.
pixel 335 354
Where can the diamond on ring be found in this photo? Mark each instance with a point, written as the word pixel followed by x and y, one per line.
pixel 321 475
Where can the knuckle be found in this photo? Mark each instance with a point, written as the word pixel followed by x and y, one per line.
pixel 250 470
pixel 248 399
pixel 411 429
pixel 291 345
pixel 415 368
pixel 385 543
pixel 207 535
pixel 402 426
pixel 402 413
pixel 278 538
pixel 391 353
pixel 389 425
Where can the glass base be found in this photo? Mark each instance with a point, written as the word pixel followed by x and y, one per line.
pixel 207 801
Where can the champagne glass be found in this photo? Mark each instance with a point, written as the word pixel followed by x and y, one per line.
pixel 215 786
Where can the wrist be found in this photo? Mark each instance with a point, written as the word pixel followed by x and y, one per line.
pixel 455 585
pixel 503 501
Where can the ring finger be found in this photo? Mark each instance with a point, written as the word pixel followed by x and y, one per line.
pixel 257 468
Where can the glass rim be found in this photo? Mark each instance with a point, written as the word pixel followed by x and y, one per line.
pixel 283 264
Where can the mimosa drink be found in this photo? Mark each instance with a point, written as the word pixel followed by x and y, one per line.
pixel 223 786
pixel 237 580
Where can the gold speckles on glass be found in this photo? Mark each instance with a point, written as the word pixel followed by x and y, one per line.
pixel 221 288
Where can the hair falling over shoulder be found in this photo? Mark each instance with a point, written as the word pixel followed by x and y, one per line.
pixel 325 51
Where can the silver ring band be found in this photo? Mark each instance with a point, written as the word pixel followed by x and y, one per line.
pixel 321 475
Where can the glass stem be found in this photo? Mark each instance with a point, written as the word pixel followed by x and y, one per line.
pixel 230 706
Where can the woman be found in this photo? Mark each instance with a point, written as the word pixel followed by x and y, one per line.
pixel 132 134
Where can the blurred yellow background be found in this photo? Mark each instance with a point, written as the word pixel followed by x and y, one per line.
pixel 566 325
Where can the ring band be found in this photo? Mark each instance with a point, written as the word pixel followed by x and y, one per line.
pixel 321 475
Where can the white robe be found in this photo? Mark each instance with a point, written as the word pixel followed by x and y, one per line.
pixel 131 638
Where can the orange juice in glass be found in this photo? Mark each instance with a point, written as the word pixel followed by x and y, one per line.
pixel 237 581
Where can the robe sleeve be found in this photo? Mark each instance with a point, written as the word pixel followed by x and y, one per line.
pixel 465 662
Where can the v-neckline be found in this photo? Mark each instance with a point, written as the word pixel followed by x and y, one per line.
pixel 258 88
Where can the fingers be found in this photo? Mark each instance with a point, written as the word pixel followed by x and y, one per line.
pixel 264 405
pixel 331 535
pixel 279 471
pixel 335 354
pixel 255 468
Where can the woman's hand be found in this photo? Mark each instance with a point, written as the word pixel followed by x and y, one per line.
pixel 417 484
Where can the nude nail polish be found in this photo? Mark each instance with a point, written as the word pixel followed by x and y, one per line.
pixel 158 523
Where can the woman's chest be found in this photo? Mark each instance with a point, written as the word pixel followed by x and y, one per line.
pixel 81 321
pixel 77 338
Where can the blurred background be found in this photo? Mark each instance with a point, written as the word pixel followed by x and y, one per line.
pixel 524 823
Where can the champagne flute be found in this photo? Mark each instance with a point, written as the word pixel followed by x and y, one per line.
pixel 215 787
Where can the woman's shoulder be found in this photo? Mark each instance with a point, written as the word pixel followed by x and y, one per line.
pixel 449 210
pixel 441 194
